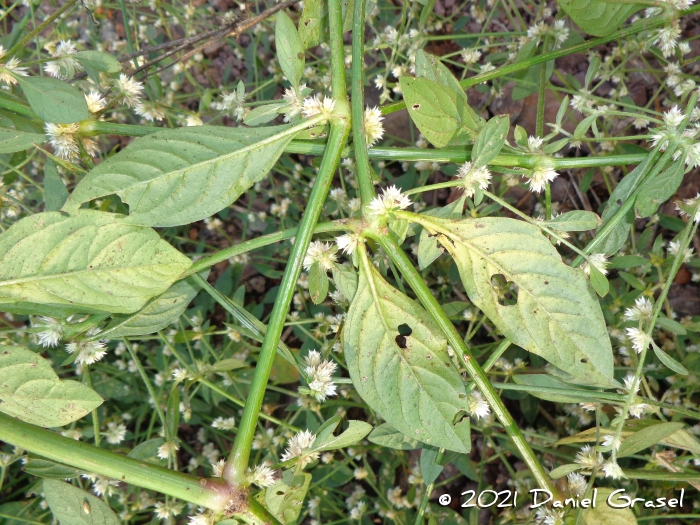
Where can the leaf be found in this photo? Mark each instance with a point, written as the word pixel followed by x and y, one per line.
pixel 73 506
pixel 290 51
pixel 670 325
pixel 179 176
pixel 313 23
pixel 539 382
pixel 647 437
pixel 428 249
pixel 356 431
pixel 345 280
pixel 490 140
pixel 12 140
pixel 318 283
pixel 564 470
pixel 49 469
pixel 98 60
pixel 89 263
pixel 263 114
pixel 603 514
pixel 53 100
pixel 429 467
pixel 439 112
pixel 157 314
pixel 399 364
pixel 55 192
pixel 574 221
pixel 387 436
pixel 659 189
pixel 284 499
pixel 148 451
pixel 32 392
pixel 556 314
pixel 598 17
pixel 669 362
pixel 599 281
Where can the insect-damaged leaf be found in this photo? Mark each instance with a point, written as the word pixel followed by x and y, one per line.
pixel 555 314
pixel 73 506
pixel 90 262
pixel 179 176
pixel 399 364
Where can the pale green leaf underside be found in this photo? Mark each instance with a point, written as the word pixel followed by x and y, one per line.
pixel 53 100
pixel 12 140
pixel 90 262
pixel 284 499
pixel 416 389
pixel 598 17
pixel 31 391
pixel 179 176
pixel 557 315
pixel 68 504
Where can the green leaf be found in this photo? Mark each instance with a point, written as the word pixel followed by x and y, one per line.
pixel 539 382
pixel 53 100
pixel 564 470
pixel 88 263
pixel 148 451
pixel 557 316
pixel 669 361
pixel 284 499
pixel 439 112
pixel 55 192
pixel 49 469
pixel 12 140
pixel 179 176
pixel 599 281
pixel 671 326
pixel 98 60
pixel 263 114
pixel 627 261
pixel 387 436
pixel 647 437
pixel 428 249
pixel 157 314
pixel 604 514
pixel 660 188
pixel 290 51
pixel 318 283
pixel 598 17
pixel 31 391
pixel 345 280
pixel 429 467
pixel 574 221
pixel 399 364
pixel 73 506
pixel 356 431
pixel 490 140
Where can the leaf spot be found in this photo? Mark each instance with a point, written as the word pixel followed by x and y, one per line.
pixel 415 106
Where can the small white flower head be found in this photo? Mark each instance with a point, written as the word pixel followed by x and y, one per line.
pixel 128 91
pixel 639 339
pixel 609 440
pixel 322 253
pixel 631 384
pixel 534 144
pixel 89 352
pixel 599 260
pixel 478 407
pixel 612 470
pixel 540 177
pixel 294 106
pixel 201 519
pixel 95 102
pixel 471 56
pixel 115 433
pixel 299 447
pixel 667 37
pixel 63 139
pixel 641 310
pixel 179 374
pixel 547 516
pixel 673 117
pixel 391 200
pixel 315 106
pixel 588 458
pixel 319 374
pixel 224 423
pixel 10 69
pixel 692 156
pixel 218 468
pixel 151 111
pixel 166 449
pixel 51 333
pixel 638 409
pixel 348 242
pixel 577 484
pixel 474 177
pixel 193 120
pixel 373 125
pixel 690 207
pixel 675 246
pixel 166 510
pixel 262 476
pixel 65 65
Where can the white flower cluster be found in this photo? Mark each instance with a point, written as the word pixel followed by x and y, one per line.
pixel 473 177
pixel 373 125
pixel 599 261
pixel 64 64
pixel 478 407
pixel 391 200
pixel 690 208
pixel 89 352
pixel 300 447
pixel 9 69
pixel 689 146
pixel 313 106
pixel 557 31
pixel 319 373
pixel 322 253
pixel 262 476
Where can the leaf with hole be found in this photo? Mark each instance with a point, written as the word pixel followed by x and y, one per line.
pixel 556 314
pixel 284 499
pixel 53 100
pixel 598 17
pixel 399 364
pixel 12 140
pixel 179 176
pixel 439 112
pixel 32 392
pixel 88 263
pixel 73 506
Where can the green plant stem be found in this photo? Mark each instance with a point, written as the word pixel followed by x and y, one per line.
pixel 465 356
pixel 639 26
pixel 428 491
pixel 148 384
pixel 92 459
pixel 364 177
pixel 95 414
pixel 38 29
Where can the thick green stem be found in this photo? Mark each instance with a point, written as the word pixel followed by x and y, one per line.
pixel 92 459
pixel 364 177
pixel 38 29
pixel 425 296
